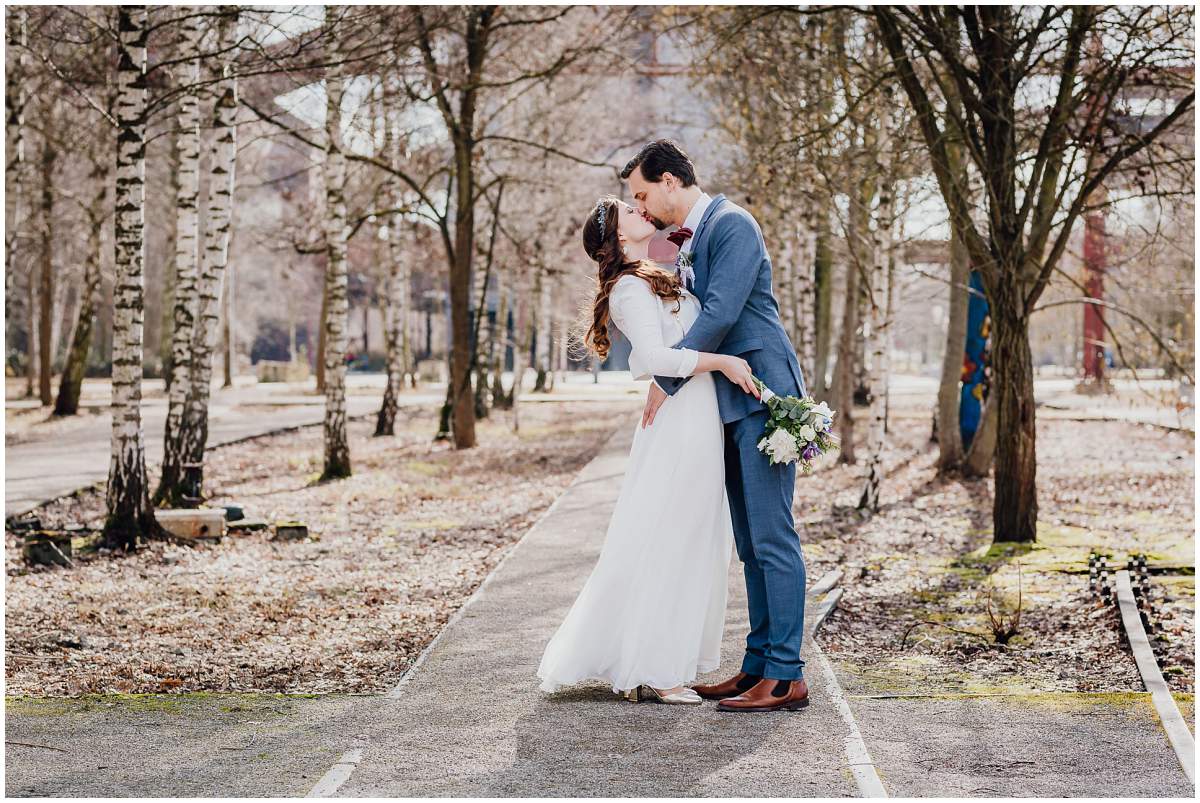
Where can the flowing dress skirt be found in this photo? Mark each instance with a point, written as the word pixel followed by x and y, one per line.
pixel 653 609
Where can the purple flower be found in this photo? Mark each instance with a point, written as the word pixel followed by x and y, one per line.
pixel 810 451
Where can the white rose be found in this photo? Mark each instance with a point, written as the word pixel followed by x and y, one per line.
pixel 807 433
pixel 782 447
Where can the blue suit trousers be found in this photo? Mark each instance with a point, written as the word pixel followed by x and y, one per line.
pixel 760 500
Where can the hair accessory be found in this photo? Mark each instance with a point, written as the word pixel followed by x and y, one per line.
pixel 600 213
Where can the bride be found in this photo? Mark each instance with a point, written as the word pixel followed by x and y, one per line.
pixel 650 616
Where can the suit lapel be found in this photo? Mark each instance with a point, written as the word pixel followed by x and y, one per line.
pixel 700 263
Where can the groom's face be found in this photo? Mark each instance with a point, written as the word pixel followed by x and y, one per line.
pixel 652 197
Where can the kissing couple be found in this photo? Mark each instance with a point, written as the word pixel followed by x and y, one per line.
pixel 650 616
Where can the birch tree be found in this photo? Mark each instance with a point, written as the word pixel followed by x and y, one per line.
pixel 397 307
pixel 215 257
pixel 879 335
pixel 47 225
pixel 186 259
pixel 128 497
pixel 337 449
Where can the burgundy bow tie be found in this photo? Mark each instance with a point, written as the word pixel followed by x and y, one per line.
pixel 679 235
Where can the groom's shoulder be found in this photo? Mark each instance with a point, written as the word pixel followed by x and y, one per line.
pixel 734 215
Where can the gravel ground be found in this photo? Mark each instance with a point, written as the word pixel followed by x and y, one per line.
pixel 394 551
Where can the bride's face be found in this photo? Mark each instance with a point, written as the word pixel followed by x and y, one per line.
pixel 632 226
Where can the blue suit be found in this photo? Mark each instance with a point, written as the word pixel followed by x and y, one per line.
pixel 741 317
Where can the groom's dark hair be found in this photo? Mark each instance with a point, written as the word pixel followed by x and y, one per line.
pixel 662 156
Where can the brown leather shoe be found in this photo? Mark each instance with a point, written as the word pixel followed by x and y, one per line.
pixel 727 688
pixel 762 697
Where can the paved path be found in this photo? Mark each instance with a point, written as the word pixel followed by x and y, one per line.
pixel 469 720
pixel 472 722
pixel 42 469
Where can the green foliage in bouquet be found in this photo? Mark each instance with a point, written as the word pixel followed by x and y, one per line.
pixel 799 429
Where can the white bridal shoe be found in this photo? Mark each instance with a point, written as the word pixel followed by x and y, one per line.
pixel 648 694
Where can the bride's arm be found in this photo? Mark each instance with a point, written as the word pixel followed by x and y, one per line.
pixel 635 310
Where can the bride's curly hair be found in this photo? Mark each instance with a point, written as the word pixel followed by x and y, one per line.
pixel 602 245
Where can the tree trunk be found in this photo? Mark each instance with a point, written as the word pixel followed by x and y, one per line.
pixel 81 336
pixel 978 460
pixel 844 373
pixel 166 311
pixel 879 336
pixel 398 286
pixel 128 497
pixel 545 334
pixel 1014 510
pixel 823 277
pixel 950 447
pixel 497 339
pixel 218 217
pixel 16 307
pixel 46 272
pixel 479 324
pixel 806 293
pixel 783 276
pixel 228 329
pixel 523 328
pixel 319 360
pixel 459 396
pixel 337 449
pixel 186 267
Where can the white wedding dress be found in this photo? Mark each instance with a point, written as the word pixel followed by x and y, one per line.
pixel 653 608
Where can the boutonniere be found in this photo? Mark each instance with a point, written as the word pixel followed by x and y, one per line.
pixel 684 260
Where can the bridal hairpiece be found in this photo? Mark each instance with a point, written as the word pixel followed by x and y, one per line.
pixel 600 213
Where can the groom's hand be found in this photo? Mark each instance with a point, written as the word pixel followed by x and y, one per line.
pixel 653 401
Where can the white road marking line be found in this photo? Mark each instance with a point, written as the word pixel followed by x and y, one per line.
pixel 338 774
pixel 858 759
pixel 857 756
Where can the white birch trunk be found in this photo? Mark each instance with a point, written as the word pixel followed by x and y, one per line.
pixel 784 278
pixel 396 307
pixel 523 335
pixel 395 304
pixel 806 292
pixel 187 259
pixel 127 497
pixel 545 335
pixel 218 215
pixel 879 334
pixel 337 450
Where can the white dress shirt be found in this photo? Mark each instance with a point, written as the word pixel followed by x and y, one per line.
pixel 692 221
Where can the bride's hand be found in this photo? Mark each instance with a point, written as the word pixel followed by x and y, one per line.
pixel 737 371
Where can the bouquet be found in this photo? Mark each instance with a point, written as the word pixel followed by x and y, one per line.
pixel 798 429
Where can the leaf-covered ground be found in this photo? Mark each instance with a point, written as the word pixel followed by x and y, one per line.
pixel 917 576
pixel 400 545
pixel 396 549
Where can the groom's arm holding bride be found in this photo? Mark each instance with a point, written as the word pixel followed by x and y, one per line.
pixel 734 262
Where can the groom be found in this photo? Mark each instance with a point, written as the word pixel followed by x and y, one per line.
pixel 724 261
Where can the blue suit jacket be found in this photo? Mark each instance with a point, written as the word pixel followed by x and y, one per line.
pixel 739 312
